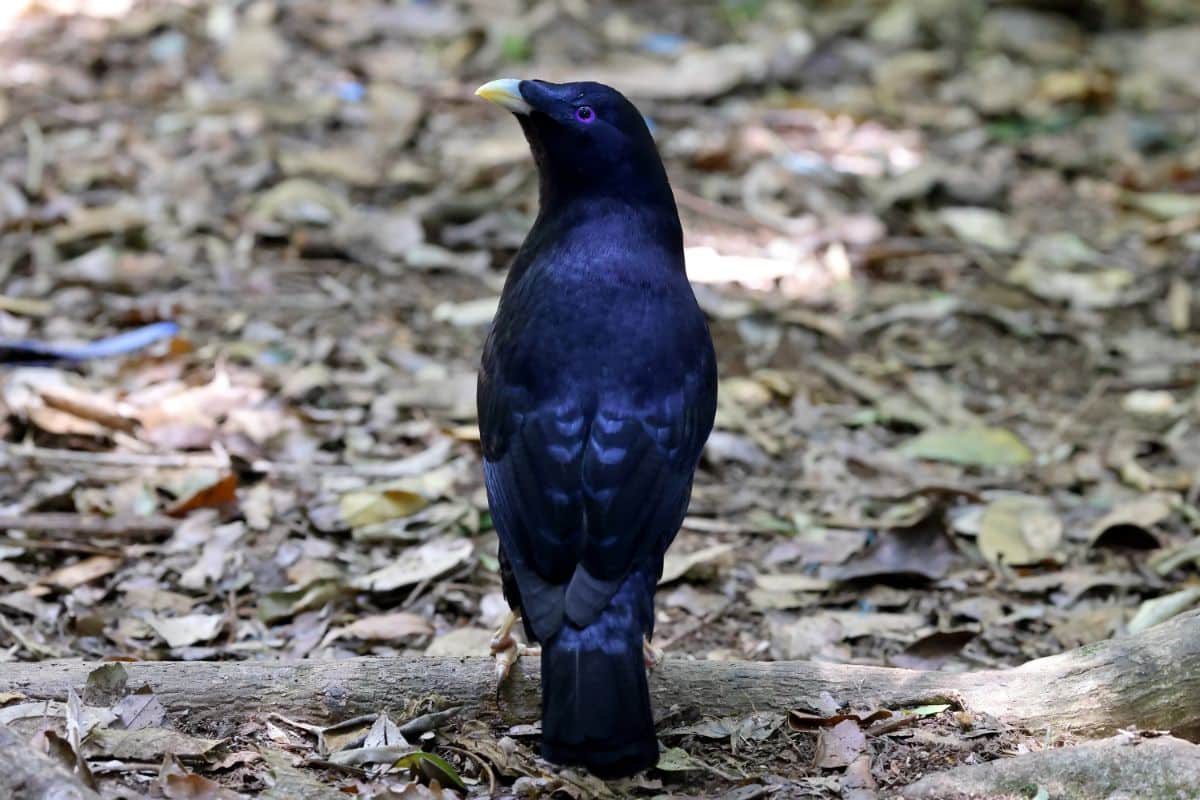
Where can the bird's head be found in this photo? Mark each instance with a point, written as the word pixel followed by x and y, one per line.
pixel 588 140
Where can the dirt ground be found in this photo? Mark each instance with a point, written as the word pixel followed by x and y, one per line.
pixel 948 251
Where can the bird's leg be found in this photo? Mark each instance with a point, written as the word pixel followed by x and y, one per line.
pixel 652 654
pixel 503 638
pixel 507 649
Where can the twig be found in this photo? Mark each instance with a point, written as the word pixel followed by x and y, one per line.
pixel 125 526
pixel 695 625
pixel 62 547
pixel 36 163
pixel 113 459
pixel 84 408
pixel 413 465
pixel 888 726
pixel 348 768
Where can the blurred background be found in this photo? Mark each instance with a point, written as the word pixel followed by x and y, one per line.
pixel 948 250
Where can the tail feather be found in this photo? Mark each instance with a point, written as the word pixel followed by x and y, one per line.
pixel 595 698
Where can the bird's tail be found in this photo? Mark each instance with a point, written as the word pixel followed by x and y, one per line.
pixel 595 699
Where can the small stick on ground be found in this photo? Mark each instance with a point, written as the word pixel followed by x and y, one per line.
pixel 125 526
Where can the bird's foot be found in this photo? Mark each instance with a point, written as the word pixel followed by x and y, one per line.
pixel 506 657
pixel 653 655
pixel 507 649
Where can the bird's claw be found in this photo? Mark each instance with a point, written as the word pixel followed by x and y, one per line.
pixel 507 649
pixel 507 656
pixel 653 655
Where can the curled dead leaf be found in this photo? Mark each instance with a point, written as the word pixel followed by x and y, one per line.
pixel 1132 524
pixel 676 565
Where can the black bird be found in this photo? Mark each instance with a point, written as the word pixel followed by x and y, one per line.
pixel 596 394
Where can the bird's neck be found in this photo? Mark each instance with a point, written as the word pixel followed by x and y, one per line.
pixel 602 237
pixel 636 218
pixel 635 187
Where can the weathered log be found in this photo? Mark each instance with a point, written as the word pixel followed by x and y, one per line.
pixel 1151 680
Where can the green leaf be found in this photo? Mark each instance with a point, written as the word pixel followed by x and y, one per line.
pixel 433 768
pixel 984 447
pixel 1015 128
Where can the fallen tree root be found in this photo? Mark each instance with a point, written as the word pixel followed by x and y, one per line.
pixel 1116 767
pixel 1151 680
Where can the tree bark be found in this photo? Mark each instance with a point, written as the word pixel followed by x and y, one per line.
pixel 1151 680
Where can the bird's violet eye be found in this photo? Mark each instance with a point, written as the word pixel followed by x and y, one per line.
pixel 585 114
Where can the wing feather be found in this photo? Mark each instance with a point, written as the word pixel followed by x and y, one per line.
pixel 589 481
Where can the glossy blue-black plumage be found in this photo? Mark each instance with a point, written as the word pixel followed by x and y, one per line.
pixel 596 393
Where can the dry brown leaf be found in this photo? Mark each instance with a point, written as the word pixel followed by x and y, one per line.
pixel 933 651
pixel 190 786
pixel 461 642
pixel 147 744
pixel 1132 524
pixel 1019 530
pixel 81 572
pixel 386 627
pixel 372 506
pixel 676 565
pixel 840 745
pixel 222 492
pixel 417 564
pixel 187 630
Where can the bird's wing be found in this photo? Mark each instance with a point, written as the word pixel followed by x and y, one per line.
pixel 580 496
pixel 637 479
pixel 531 466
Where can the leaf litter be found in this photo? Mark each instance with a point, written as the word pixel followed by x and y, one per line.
pixel 948 265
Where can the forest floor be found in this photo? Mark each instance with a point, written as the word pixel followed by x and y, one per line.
pixel 949 252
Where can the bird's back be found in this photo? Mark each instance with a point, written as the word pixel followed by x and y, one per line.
pixel 599 308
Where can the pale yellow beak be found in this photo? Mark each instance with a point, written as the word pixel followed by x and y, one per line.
pixel 505 93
